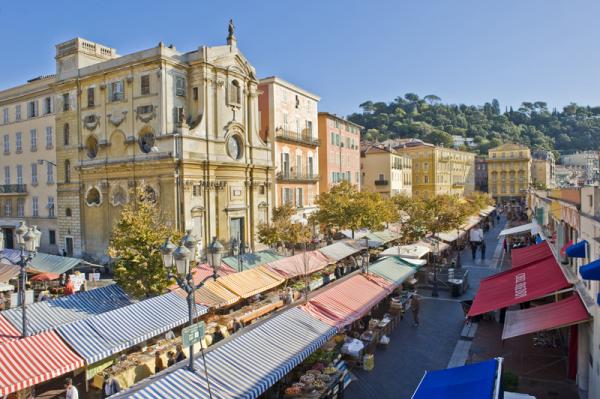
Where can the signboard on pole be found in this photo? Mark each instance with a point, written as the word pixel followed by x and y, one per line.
pixel 193 334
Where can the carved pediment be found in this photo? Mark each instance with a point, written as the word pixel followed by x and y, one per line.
pixel 117 118
pixel 145 113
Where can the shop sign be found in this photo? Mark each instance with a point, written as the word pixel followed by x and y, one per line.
pixel 193 334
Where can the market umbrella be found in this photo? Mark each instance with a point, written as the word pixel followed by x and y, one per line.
pixel 45 277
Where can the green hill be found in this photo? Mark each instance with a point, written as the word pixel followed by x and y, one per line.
pixel 573 128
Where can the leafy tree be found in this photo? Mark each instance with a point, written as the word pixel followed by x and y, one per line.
pixel 282 230
pixel 134 246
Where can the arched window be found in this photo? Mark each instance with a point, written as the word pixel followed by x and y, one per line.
pixel 91 146
pixel 68 212
pixel 93 197
pixel 66 134
pixel 235 92
pixel 67 171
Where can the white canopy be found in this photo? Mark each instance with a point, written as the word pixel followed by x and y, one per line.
pixel 487 211
pixel 412 251
pixel 450 236
pixel 517 230
pixel 414 262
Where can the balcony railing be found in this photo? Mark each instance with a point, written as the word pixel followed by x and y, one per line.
pixel 290 136
pixel 297 177
pixel 381 182
pixel 13 189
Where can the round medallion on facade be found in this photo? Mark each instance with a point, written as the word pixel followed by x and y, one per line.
pixel 146 142
pixel 234 146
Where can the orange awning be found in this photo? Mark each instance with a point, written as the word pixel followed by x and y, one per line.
pixel 250 282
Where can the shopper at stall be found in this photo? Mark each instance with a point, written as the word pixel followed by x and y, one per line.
pixel 217 336
pixel 415 306
pixel 69 288
pixel 179 356
pixel 70 390
pixel 110 386
pixel 237 325
pixel 171 358
pixel 158 362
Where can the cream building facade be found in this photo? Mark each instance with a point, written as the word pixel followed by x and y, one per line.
pixel 509 171
pixel 289 121
pixel 439 170
pixel 28 161
pixel 182 126
pixel 385 171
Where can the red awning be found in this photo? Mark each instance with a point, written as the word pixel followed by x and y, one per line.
pixel 533 253
pixel 35 359
pixel 545 317
pixel 518 285
pixel 563 250
pixel 346 302
pixel 299 265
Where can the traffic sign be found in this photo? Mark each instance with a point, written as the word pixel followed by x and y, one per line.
pixel 193 334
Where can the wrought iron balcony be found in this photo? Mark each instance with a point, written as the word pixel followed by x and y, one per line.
pixel 295 137
pixel 13 189
pixel 381 182
pixel 297 177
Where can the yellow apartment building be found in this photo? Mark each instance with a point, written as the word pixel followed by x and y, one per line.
pixel 509 171
pixel 385 171
pixel 439 170
pixel 28 161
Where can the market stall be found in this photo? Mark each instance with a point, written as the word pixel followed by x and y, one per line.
pixel 250 282
pixel 251 260
pixel 46 315
pixel 8 332
pixel 299 265
pixel 33 360
pixel 412 251
pixel 393 271
pixel 340 250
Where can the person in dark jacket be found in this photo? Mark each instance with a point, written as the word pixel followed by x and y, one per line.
pixel 179 356
pixel 110 386
pixel 171 358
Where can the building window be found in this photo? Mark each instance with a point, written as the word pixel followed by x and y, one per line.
pixel 32 109
pixel 332 138
pixel 381 176
pixel 49 138
pixel 299 198
pixel 20 207
pixel 7 175
pixel 8 208
pixel 5 115
pixel 288 196
pixel 235 92
pixel 91 146
pixel 18 113
pixel 52 237
pixel 116 91
pixel 50 173
pixel 337 139
pixel 195 93
pixel 6 144
pixel 67 171
pixel 261 189
pixel 426 179
pixel 19 142
pixel 33 139
pixel 50 207
pixel 180 86
pixel 47 105
pixel 68 212
pixel 19 174
pixel 90 97
pixel 197 190
pixel 34 175
pixel 66 134
pixel 66 102
pixel 145 85
pixel 35 207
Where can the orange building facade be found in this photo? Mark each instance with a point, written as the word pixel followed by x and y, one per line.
pixel 339 152
pixel 288 119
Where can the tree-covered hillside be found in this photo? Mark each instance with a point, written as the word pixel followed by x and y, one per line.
pixel 574 128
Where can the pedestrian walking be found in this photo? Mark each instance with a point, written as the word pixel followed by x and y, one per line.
pixel 110 386
pixel 70 390
pixel 475 238
pixel 482 250
pixel 415 305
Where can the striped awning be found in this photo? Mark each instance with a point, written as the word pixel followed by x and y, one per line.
pixel 44 263
pixel 98 337
pixel 345 302
pixel 8 332
pixel 246 366
pixel 43 316
pixel 340 250
pixel 212 295
pixel 386 236
pixel 250 282
pixel 35 359
pixel 299 265
pixel 393 270
pixel 252 260
pixel 8 271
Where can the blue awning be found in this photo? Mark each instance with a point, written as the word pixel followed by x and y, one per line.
pixel 538 239
pixel 471 381
pixel 43 316
pixel 577 250
pixel 247 365
pixel 44 263
pixel 591 271
pixel 99 337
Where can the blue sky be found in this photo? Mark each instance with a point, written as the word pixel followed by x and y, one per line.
pixel 345 51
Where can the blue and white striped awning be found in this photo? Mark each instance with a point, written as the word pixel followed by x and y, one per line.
pixel 246 366
pixel 43 316
pixel 101 336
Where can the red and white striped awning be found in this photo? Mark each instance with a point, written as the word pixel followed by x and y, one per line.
pixel 8 332
pixel 33 360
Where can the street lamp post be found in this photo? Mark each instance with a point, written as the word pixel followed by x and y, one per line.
pixel 238 251
pixel 28 240
pixel 434 290
pixel 181 257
